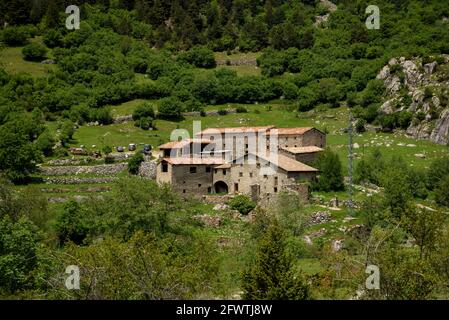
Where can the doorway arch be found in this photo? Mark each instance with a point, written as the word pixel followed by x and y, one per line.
pixel 221 187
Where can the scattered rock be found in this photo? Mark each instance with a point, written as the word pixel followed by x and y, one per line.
pixel 348 218
pixel 218 207
pixel 337 244
pixel 420 155
pixel 210 221
pixel 320 217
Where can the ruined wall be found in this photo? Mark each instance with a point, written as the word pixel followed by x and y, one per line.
pixel 185 182
pixel 314 138
pixel 290 141
pixel 164 177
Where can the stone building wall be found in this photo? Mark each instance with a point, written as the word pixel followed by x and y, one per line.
pixel 185 182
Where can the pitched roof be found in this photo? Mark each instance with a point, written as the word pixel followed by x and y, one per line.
pixel 224 166
pixel 286 163
pixel 300 150
pixel 183 143
pixel 194 161
pixel 234 130
pixel 290 131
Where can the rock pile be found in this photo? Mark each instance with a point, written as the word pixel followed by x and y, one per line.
pixel 320 217
pixel 209 221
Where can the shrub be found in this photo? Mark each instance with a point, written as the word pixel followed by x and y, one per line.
pixel 442 192
pixel 144 123
pixel 134 163
pixel 53 38
pixel 45 143
pixel 170 109
pixel 200 57
pixel 14 36
pixel 242 204
pixel 34 52
pixel 241 109
pixel 144 110
pixel 360 125
pixel 102 115
pixel 71 225
pixel 331 176
pixel 222 112
pixel 107 150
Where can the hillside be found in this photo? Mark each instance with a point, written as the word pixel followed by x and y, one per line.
pixel 83 112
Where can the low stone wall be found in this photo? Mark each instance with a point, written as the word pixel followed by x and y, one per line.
pixel 242 62
pixel 216 199
pixel 148 169
pixel 106 169
pixel 67 180
pixel 122 119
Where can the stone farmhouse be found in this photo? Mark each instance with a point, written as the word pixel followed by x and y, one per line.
pixel 257 161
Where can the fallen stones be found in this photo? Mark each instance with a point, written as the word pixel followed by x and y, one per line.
pixel 337 244
pixel 209 221
pixel 218 207
pixel 320 217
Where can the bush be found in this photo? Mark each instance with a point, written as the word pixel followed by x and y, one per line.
pixel 222 112
pixel 242 204
pixel 45 143
pixel 134 163
pixel 360 125
pixel 241 109
pixel 438 169
pixel 34 52
pixel 200 57
pixel 144 110
pixel 442 192
pixel 107 150
pixel 331 176
pixel 71 225
pixel 53 38
pixel 144 123
pixel 14 36
pixel 170 109
pixel 102 115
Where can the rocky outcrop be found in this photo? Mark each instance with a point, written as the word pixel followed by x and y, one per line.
pixel 440 133
pixel 421 89
pixel 331 7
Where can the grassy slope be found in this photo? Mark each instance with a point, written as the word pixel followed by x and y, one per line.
pixel 11 59
pixel 332 120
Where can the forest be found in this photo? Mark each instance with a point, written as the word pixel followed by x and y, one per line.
pixel 140 240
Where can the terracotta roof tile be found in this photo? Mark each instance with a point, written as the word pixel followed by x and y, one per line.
pixel 183 143
pixel 234 130
pixel 300 150
pixel 194 161
pixel 290 131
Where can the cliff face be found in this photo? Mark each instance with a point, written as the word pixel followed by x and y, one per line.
pixel 422 89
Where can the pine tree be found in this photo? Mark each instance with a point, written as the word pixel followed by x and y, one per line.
pixel 37 11
pixel 331 176
pixel 52 15
pixel 157 13
pixel 272 276
pixel 269 13
pixel 17 11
